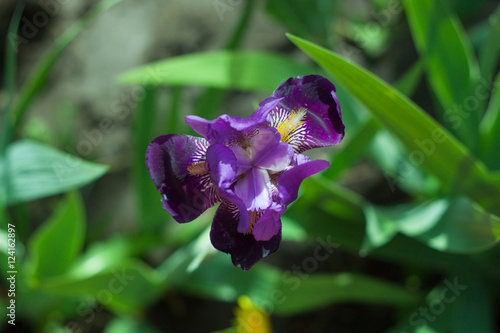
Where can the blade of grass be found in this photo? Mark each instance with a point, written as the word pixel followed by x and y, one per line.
pixel 490 48
pixel 149 217
pixel 173 118
pixel 449 59
pixel 490 130
pixel 358 141
pixel 242 70
pixel 37 79
pixel 10 75
pixel 440 153
pixel 10 86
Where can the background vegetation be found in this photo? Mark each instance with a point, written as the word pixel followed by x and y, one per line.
pixel 399 235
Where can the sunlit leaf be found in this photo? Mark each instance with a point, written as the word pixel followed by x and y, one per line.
pixel 285 292
pixel 129 325
pixel 125 287
pixel 429 145
pixel 297 294
pixel 32 170
pixel 449 60
pixel 243 70
pixel 490 130
pixel 454 225
pixel 56 244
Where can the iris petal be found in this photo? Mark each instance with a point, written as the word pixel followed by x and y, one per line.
pixel 229 130
pixel 290 180
pixel 254 189
pixel 184 195
pixel 222 164
pixel 308 115
pixel 243 161
pixel 268 226
pixel 244 249
pixel 268 152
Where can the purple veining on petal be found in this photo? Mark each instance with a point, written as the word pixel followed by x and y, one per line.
pixel 168 158
pixel 229 130
pixel 269 224
pixel 252 165
pixel 244 249
pixel 309 114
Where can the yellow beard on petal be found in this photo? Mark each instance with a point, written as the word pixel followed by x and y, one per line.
pixel 197 169
pixel 294 120
pixel 254 216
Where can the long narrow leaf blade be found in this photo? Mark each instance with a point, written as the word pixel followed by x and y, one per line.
pixel 448 57
pixel 223 69
pixel 490 130
pixel 429 145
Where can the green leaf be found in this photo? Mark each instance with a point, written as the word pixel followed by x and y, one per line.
pixel 218 279
pixel 10 75
pixel 32 170
pixel 449 60
pixel 409 81
pixel 490 47
pixel 336 214
pixel 150 218
pixel 431 147
pixel 306 18
pixel 299 293
pixel 352 148
pixel 454 225
pixel 241 70
pixel 56 244
pixel 475 308
pixel 286 292
pixel 129 325
pixel 490 130
pixel 125 288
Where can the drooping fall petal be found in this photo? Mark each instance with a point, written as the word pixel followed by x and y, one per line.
pixel 244 249
pixel 176 166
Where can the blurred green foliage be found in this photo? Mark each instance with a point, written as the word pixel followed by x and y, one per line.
pixel 445 160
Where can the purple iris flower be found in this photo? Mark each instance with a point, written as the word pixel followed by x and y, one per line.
pixel 253 166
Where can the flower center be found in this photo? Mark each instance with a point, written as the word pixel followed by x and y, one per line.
pixel 265 155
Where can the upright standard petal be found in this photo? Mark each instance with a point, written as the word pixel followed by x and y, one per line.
pixel 244 249
pixel 267 152
pixel 176 164
pixel 308 115
pixel 233 131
